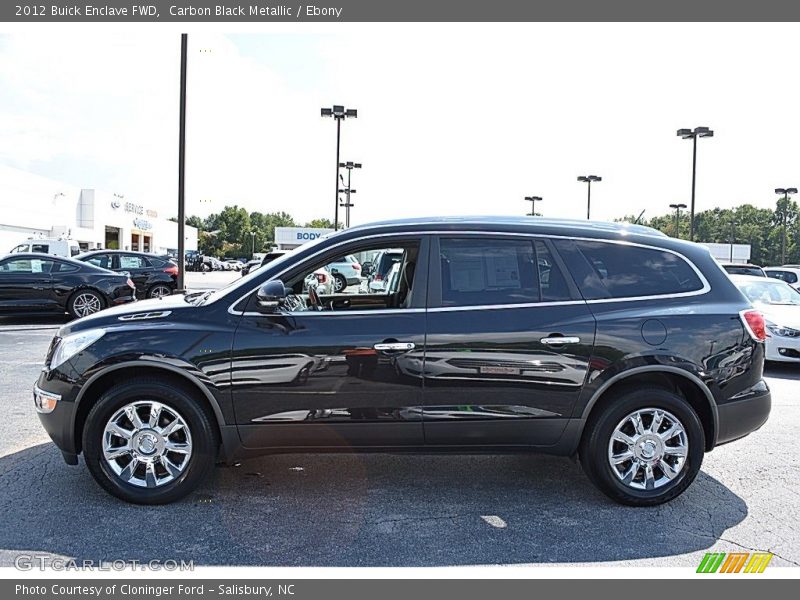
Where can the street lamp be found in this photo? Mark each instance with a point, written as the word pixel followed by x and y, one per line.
pixel 733 236
pixel 339 113
pixel 688 134
pixel 677 208
pixel 349 165
pixel 346 204
pixel 589 179
pixel 533 200
pixel 253 240
pixel 785 192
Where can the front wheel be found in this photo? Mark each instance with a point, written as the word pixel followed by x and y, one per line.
pixel 645 448
pixel 149 442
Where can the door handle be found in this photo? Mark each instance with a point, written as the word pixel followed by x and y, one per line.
pixel 394 346
pixel 560 340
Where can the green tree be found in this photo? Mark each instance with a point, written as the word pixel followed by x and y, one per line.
pixel 321 224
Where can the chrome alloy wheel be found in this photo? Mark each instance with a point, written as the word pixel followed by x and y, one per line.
pixel 648 449
pixel 86 304
pixel 160 291
pixel 147 444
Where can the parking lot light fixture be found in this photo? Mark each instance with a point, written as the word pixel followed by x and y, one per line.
pixel 349 165
pixel 785 192
pixel 588 179
pixel 339 113
pixel 533 200
pixel 689 134
pixel 677 208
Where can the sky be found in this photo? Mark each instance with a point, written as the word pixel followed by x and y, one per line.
pixel 452 119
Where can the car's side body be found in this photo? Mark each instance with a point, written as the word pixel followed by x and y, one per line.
pixel 46 283
pixel 473 375
pixel 153 275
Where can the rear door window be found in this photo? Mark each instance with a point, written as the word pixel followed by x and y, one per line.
pixel 628 271
pixel 129 261
pixel 488 271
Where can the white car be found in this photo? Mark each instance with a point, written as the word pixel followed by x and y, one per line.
pixel 780 304
pixel 789 274
pixel 346 271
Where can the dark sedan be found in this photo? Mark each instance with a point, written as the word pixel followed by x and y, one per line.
pixel 154 276
pixel 36 283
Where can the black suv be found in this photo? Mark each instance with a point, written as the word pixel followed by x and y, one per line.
pixel 612 342
pixel 153 275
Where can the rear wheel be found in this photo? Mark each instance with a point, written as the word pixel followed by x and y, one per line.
pixel 645 448
pixel 149 442
pixel 339 283
pixel 159 290
pixel 84 303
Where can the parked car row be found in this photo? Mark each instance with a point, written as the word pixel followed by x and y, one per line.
pixel 788 273
pixel 611 343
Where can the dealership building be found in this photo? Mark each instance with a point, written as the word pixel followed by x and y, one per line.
pixel 38 207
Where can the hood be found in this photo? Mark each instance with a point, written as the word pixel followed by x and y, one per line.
pixel 109 316
pixel 783 315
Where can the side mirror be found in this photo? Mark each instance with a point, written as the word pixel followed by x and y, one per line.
pixel 366 268
pixel 270 295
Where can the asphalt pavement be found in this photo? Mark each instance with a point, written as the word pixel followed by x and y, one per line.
pixel 391 510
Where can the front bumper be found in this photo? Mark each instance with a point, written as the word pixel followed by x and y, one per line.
pixel 783 348
pixel 744 413
pixel 60 422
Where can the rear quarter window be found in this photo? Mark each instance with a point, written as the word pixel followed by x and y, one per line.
pixel 627 271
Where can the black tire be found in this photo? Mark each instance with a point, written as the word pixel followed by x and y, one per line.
pixel 204 439
pixel 159 289
pixel 594 449
pixel 78 299
pixel 339 283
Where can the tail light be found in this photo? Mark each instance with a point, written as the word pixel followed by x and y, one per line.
pixel 131 284
pixel 171 270
pixel 356 267
pixel 321 277
pixel 755 324
pixel 378 277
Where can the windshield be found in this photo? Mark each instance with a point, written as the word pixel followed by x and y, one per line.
pixel 770 292
pixel 244 283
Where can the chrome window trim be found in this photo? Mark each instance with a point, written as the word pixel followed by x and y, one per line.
pixel 453 233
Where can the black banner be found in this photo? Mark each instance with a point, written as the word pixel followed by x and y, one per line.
pixel 405 11
pixel 370 589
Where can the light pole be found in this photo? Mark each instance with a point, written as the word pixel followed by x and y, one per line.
pixel 533 200
pixel 589 179
pixel 346 204
pixel 785 192
pixel 677 208
pixel 733 236
pixel 339 113
pixel 182 165
pixel 253 243
pixel 349 165
pixel 688 134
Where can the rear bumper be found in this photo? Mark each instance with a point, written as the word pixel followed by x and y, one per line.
pixel 742 416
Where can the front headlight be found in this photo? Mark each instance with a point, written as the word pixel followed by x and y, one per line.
pixel 783 331
pixel 70 345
